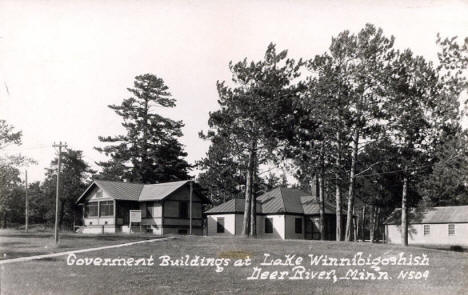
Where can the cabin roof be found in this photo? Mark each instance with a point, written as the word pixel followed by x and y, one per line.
pixel 447 214
pixel 135 191
pixel 279 200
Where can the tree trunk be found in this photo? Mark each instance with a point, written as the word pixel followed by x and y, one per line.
pixel 355 226
pixel 358 225
pixel 352 173
pixel 404 211
pixel 62 208
pixel 321 206
pixel 377 224
pixel 253 197
pixel 339 236
pixel 4 225
pixel 372 224
pixel 338 190
pixel 246 220
pixel 363 222
pixel 248 192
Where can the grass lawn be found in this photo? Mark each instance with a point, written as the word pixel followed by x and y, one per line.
pixel 448 271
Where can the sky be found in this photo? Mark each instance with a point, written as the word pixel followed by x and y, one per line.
pixel 63 62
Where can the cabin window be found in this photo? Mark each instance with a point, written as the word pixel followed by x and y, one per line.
pixel 183 209
pixel 298 225
pixel 427 229
pixel 220 225
pixel 149 211
pixel 91 209
pixel 107 208
pixel 268 225
pixel 451 229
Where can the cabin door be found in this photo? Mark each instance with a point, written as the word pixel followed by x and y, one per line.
pixel 312 229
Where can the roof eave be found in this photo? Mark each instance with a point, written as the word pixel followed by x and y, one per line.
pixel 86 192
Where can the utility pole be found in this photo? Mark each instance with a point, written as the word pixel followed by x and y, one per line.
pixel 26 221
pixel 57 192
pixel 190 207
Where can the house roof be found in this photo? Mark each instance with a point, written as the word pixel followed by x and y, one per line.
pixel 231 206
pixel 160 191
pixel 278 200
pixel 121 190
pixel 311 206
pixel 448 214
pixel 135 191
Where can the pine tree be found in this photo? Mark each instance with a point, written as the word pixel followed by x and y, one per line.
pixel 255 114
pixel 75 177
pixel 150 151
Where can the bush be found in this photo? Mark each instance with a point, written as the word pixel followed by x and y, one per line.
pixel 457 248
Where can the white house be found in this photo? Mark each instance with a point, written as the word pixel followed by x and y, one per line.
pixel 282 213
pixel 164 207
pixel 434 226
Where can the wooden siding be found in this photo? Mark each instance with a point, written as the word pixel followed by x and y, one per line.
pixel 438 234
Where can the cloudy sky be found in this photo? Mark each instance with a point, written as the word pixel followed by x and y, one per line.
pixel 63 62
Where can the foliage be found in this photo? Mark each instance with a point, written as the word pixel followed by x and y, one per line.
pixel 74 178
pixel 149 152
pixel 255 115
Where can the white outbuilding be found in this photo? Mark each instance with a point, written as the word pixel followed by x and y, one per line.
pixel 431 226
pixel 282 213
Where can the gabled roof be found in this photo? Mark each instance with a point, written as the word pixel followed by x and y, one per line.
pixel 311 206
pixel 277 201
pixel 136 191
pixel 231 206
pixel 160 191
pixel 121 190
pixel 448 214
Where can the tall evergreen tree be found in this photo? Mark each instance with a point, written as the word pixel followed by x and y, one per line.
pixel 422 110
pixel 75 177
pixel 222 172
pixel 343 103
pixel 11 201
pixel 253 114
pixel 150 151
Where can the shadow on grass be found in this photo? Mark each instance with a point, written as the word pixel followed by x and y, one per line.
pixel 9 244
pixel 51 259
pixel 26 235
pixel 17 254
pixel 110 237
pixel 454 248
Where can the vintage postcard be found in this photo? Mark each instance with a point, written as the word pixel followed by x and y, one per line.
pixel 233 147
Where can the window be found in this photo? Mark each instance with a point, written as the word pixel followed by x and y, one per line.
pixel 298 225
pixel 91 209
pixel 107 208
pixel 427 229
pixel 220 225
pixel 451 229
pixel 268 225
pixel 183 209
pixel 149 211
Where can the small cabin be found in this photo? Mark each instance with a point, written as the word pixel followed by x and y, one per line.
pixel 430 226
pixel 163 208
pixel 282 213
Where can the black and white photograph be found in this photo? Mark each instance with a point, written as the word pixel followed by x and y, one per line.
pixel 234 147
